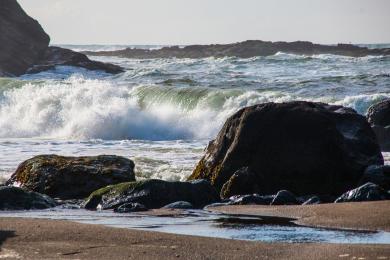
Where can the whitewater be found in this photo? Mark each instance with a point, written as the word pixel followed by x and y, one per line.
pixel 161 113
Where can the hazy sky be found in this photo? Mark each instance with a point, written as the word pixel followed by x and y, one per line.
pixel 211 21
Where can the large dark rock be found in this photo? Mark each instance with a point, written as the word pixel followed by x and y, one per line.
pixel 13 198
pixel 22 39
pixel 153 194
pixel 367 192
pixel 378 116
pixel 56 56
pixel 244 49
pixel 71 177
pixel 304 147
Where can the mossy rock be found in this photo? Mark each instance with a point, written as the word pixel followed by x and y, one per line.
pixel 153 194
pixel 71 177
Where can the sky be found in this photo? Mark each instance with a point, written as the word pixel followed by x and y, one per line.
pixel 171 22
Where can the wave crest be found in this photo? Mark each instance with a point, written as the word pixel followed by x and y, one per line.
pixel 79 108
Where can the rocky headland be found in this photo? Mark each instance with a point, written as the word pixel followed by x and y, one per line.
pixel 246 49
pixel 25 46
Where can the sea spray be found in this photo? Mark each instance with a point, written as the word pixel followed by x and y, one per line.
pixel 162 112
pixel 80 108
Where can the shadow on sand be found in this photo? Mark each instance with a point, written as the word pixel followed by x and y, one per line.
pixel 4 235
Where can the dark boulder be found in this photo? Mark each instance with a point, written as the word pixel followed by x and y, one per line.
pixel 377 174
pixel 179 205
pixel 130 207
pixel 71 177
pixel 13 198
pixel 22 39
pixel 56 56
pixel 304 147
pixel 367 192
pixel 241 182
pixel 378 116
pixel 153 194
pixel 284 197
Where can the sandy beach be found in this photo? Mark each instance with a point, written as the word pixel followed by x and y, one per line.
pixel 359 216
pixel 48 239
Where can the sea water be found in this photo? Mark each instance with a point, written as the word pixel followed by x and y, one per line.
pixel 209 224
pixel 161 113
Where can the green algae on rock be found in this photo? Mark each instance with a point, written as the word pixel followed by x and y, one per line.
pixel 153 194
pixel 71 177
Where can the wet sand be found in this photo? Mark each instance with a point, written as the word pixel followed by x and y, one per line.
pixel 356 215
pixel 48 239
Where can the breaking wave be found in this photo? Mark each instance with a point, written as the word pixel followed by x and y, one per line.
pixel 79 108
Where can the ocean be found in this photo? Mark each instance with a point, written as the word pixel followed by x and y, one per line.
pixel 161 113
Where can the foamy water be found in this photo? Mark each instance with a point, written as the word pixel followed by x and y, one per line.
pixel 162 112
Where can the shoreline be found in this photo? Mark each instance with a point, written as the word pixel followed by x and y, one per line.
pixel 365 216
pixel 47 239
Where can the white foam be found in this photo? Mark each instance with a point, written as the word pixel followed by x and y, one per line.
pixel 79 108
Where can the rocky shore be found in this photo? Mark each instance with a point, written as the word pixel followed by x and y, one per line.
pixel 269 154
pixel 318 164
pixel 25 46
pixel 246 49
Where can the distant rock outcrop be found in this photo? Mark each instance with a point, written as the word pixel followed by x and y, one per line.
pixel 245 49
pixel 24 46
pixel 56 56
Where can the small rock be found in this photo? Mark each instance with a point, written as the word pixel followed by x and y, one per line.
pixel 285 197
pixel 255 199
pixel 130 207
pixel 13 198
pixel 367 192
pixel 179 205
pixel 241 182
